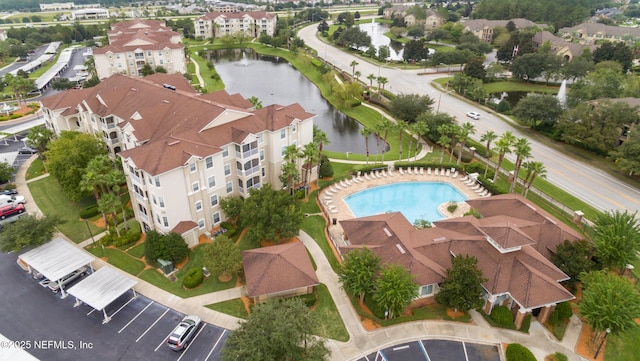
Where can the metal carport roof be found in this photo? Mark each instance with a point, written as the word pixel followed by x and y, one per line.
pixel 56 259
pixel 101 288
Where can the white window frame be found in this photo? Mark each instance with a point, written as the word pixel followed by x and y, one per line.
pixel 161 202
pixel 198 206
pixel 213 200
pixel 195 186
pixel 193 167
pixel 201 223
pixel 227 169
pixel 213 218
pixel 283 133
pixel 209 162
pixel 211 181
pixel 229 187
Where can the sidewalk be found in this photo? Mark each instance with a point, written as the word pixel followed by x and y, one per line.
pixel 361 341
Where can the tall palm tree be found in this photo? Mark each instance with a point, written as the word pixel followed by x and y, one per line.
pixel 109 204
pixel 381 82
pixel 418 129
pixel 357 75
pixel 445 130
pixel 534 169
pixel 310 155
pixel 353 68
pixel 488 137
pixel 463 133
pixel 371 77
pixel 256 102
pixel 366 132
pixel 383 128
pixel 522 148
pixel 444 141
pixel 504 147
pixel 290 171
pixel 401 127
pixel 320 138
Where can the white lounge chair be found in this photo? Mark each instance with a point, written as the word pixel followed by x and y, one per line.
pixel 343 184
pixel 328 198
pixel 329 193
pixel 455 175
pixel 331 207
pixel 421 171
pixel 416 170
pixel 480 190
pixel 329 201
pixel 466 176
pixel 366 176
pixel 332 188
pixel 435 171
pixel 348 182
pixel 391 174
pixel 429 171
pixel 441 171
pixel 400 171
pixel 446 174
pixel 337 186
pixel 334 211
pixel 409 171
pixel 477 186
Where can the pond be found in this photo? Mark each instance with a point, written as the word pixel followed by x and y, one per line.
pixel 376 32
pixel 274 81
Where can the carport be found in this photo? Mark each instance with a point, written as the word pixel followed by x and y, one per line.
pixel 56 259
pixel 101 288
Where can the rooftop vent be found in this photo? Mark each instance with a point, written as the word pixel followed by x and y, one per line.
pixel 387 232
pixel 165 101
pixel 134 89
pixel 440 239
pixel 169 86
pixel 399 247
pixel 174 142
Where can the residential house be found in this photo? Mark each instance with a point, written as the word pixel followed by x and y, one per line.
pixel 135 43
pixel 559 46
pixel 624 131
pixel 512 242
pixel 251 23
pixel 483 28
pixel 91 13
pixel 182 152
pixel 278 271
pixel 591 33
pixel 432 20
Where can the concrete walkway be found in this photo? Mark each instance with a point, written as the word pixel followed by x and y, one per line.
pixel 200 80
pixel 361 341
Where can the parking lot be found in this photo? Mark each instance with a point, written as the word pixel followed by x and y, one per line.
pixel 436 350
pixel 137 330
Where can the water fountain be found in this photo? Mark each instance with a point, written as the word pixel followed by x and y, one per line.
pixel 244 61
pixel 8 109
pixel 562 94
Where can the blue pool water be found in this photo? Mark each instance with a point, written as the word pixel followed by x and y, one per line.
pixel 416 200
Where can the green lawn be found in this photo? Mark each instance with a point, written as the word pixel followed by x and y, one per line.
pixel 210 83
pixel 623 347
pixel 518 86
pixel 136 251
pixel 233 307
pixel 331 324
pixel 118 259
pixel 36 169
pixel 52 201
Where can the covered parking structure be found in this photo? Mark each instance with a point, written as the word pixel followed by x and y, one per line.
pixel 55 259
pixel 102 288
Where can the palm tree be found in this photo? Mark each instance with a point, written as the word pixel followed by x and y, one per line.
pixel 109 204
pixel 357 74
pixel 444 141
pixel 257 103
pixel 383 128
pixel 504 147
pixel 371 77
pixel 488 137
pixel 463 133
pixel 320 138
pixel 290 170
pixel 534 169
pixel 523 151
pixel 445 130
pixel 310 155
pixel 366 132
pixel 381 82
pixel 418 129
pixel 401 126
pixel 353 68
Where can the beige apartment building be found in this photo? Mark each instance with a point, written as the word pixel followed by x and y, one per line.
pixel 132 44
pixel 252 23
pixel 182 152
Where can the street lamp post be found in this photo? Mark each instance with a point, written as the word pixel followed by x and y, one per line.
pixel 93 241
pixel 608 330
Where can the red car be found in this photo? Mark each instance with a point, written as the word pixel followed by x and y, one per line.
pixel 11 210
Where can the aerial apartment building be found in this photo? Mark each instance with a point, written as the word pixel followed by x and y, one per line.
pixel 251 23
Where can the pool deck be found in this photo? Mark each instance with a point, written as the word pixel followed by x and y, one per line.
pixel 334 206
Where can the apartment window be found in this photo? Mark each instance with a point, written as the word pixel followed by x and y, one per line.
pixel 165 221
pixel 209 162
pixel 283 150
pixel 214 200
pixel 260 138
pixel 161 201
pixel 216 218
pixel 155 201
pixel 212 181
pixel 158 218
pixel 201 223
pixel 264 172
pixel 198 206
pixel 157 179
pixel 262 155
pixel 293 128
pixel 195 186
pixel 229 187
pixel 150 180
pixel 193 167
pixel 426 290
pixel 227 169
pixel 225 151
pixel 283 133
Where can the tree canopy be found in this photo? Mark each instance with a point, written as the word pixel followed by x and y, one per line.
pixel 627 156
pixel 395 289
pixel 358 272
pixel 462 289
pixel 408 107
pixel 169 247
pixel 276 330
pixel 27 231
pixel 617 238
pixel 539 111
pixel 222 257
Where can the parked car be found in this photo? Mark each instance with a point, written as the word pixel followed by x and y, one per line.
pixel 27 150
pixel 11 210
pixel 9 192
pixel 183 333
pixel 55 286
pixel 473 115
pixel 14 199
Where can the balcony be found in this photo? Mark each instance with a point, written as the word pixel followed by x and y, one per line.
pixel 247 153
pixel 140 197
pixel 135 178
pixel 249 171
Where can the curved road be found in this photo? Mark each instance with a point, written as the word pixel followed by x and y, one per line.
pixel 580 179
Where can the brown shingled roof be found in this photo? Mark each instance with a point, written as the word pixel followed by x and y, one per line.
pixel 277 269
pixel 238 15
pixel 184 226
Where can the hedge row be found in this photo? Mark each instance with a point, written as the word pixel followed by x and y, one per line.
pixel 193 278
pixel 517 352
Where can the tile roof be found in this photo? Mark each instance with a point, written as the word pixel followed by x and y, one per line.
pixel 276 269
pixel 520 23
pixel 237 15
pixel 141 39
pixel 174 125
pixel 175 79
pixel 595 28
pixel 184 226
pixel 503 244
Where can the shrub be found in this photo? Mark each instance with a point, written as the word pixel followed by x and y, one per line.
pixel 564 311
pixel 526 323
pixel 89 211
pixel 309 300
pixel 502 316
pixel 558 356
pixel 170 247
pixel 231 230
pixel 517 352
pixel 452 207
pixel 193 278
pixel 326 170
pixel 503 106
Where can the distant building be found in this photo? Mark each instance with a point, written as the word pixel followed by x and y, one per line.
pixel 432 20
pixel 94 13
pixel 561 47
pixel 3 35
pixel 483 28
pixel 252 23
pixel 66 6
pixel 132 44
pixel 591 33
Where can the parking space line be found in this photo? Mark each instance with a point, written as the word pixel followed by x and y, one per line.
pixel 464 347
pixel 191 342
pixel 133 319
pixel 145 332
pixel 90 312
pixel 382 355
pixel 400 348
pixel 215 344
pixel 424 350
pixel 121 307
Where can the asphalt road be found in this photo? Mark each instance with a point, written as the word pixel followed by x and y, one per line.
pixel 576 177
pixel 51 328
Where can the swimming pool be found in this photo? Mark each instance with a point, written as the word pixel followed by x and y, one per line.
pixel 416 200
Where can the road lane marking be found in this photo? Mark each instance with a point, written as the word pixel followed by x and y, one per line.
pixel 133 319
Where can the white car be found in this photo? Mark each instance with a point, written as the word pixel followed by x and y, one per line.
pixel 473 115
